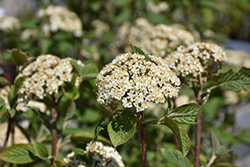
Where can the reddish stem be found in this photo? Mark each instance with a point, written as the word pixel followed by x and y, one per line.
pixel 142 138
pixel 198 139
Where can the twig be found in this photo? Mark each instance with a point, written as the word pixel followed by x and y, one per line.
pixel 141 129
pixel 198 92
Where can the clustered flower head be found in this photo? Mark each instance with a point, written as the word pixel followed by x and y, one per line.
pixel 4 95
pixel 131 33
pixel 29 35
pixel 9 24
pixel 164 39
pixel 102 156
pixel 135 81
pixel 193 59
pixel 59 18
pixel 238 58
pixel 45 76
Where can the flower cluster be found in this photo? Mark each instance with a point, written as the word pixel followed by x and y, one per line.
pixel 238 58
pixel 29 35
pixel 131 33
pixel 45 76
pixel 164 39
pixel 9 24
pixel 102 156
pixel 136 81
pixel 59 18
pixel 157 8
pixel 4 95
pixel 193 59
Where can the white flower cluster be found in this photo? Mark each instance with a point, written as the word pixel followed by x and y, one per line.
pixel 102 156
pixel 164 39
pixel 238 58
pixel 136 81
pixel 45 76
pixel 193 59
pixel 100 27
pixel 157 40
pixel 59 18
pixel 4 95
pixel 132 33
pixel 157 8
pixel 29 35
pixel 9 24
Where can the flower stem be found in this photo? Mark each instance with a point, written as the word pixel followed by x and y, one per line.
pixel 54 135
pixel 141 129
pixel 198 92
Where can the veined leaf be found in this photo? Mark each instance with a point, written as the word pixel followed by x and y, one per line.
pixel 76 66
pixel 121 127
pixel 69 89
pixel 186 113
pixel 236 81
pixel 180 134
pixel 89 71
pixel 19 154
pixel 175 157
pixel 40 150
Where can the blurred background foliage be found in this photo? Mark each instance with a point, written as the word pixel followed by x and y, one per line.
pixel 208 20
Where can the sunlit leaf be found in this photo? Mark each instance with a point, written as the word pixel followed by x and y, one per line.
pixel 186 113
pixel 70 90
pixel 175 157
pixel 236 81
pixel 40 150
pixel 19 154
pixel 180 134
pixel 121 127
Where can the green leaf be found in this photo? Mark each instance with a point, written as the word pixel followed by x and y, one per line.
pixel 2 109
pixel 186 113
pixel 236 81
pixel 69 89
pixel 12 95
pixel 137 50
pixel 67 109
pixel 60 163
pixel 3 82
pixel 210 4
pixel 85 136
pixel 215 142
pixel 175 157
pixel 227 67
pixel 19 57
pixel 121 127
pixel 45 45
pixel 12 112
pixel 76 66
pixel 40 150
pixel 19 154
pixel 78 151
pixel 180 134
pixel 89 71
